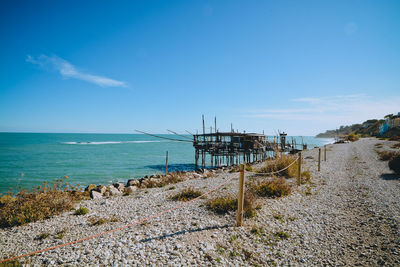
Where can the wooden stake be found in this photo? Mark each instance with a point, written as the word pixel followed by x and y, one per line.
pixel 319 159
pixel 299 170
pixel 239 218
pixel 166 164
pixel 324 152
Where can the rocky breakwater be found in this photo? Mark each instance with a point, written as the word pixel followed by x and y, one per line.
pixel 152 181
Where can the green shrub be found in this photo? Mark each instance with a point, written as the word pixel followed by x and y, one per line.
pixel 281 235
pixel 187 194
pixel 222 205
pixel 81 211
pixel 278 187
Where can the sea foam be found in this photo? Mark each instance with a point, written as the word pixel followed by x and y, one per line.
pixel 108 142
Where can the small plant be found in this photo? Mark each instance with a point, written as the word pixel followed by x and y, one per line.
pixel 278 217
pixel 281 235
pixel 99 221
pixel 397 145
pixel 249 168
pixel 308 191
pixel 306 177
pixel 12 263
pixel 220 249
pixel 280 163
pixel 81 211
pixel 187 194
pixel 222 205
pixel 278 187
pixel 233 238
pixel 257 230
pixel 379 145
pixel 172 188
pixel 42 236
pixel 386 155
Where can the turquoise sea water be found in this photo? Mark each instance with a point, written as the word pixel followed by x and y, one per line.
pixel 28 159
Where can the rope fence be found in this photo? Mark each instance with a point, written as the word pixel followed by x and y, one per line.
pixel 240 213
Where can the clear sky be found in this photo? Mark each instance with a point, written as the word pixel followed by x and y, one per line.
pixel 114 66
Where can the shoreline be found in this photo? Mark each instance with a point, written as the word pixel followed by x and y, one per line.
pixel 323 220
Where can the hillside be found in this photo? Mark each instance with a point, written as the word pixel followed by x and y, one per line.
pixel 367 128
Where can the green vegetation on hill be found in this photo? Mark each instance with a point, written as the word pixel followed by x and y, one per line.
pixel 367 128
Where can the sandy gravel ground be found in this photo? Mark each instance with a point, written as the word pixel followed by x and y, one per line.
pixel 348 215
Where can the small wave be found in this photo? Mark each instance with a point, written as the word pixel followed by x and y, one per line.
pixel 108 142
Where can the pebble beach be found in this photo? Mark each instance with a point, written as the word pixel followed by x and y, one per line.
pixel 349 214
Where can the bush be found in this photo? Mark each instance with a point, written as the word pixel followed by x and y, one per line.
pixel 352 137
pixel 394 163
pixel 278 187
pixel 99 221
pixel 187 194
pixel 397 145
pixel 306 176
pixel 81 211
pixel 386 155
pixel 44 202
pixel 280 163
pixel 222 205
pixel 394 138
pixel 225 204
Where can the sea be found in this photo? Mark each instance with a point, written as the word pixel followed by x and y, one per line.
pixel 29 159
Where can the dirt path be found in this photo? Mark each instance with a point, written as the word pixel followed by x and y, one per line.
pixel 362 198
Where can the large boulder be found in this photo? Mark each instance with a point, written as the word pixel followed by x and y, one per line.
pixel 130 189
pixel 101 188
pixel 114 191
pixel 95 195
pixel 133 182
pixel 119 186
pixel 90 187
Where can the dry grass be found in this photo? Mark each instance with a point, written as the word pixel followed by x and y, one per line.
pixel 187 194
pixel 352 137
pixel 44 202
pixel 394 138
pixel 170 178
pixel 227 203
pixel 386 155
pixel 397 145
pixel 379 145
pixel 306 177
pixel 279 164
pixel 222 205
pixel 278 187
pixel 99 221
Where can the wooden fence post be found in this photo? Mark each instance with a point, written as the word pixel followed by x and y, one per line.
pixel 299 170
pixel 166 164
pixel 324 152
pixel 239 218
pixel 319 159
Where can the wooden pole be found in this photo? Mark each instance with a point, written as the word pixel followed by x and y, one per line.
pixel 319 159
pixel 324 152
pixel 166 164
pixel 239 219
pixel 299 170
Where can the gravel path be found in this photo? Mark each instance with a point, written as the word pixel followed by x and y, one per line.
pixel 348 215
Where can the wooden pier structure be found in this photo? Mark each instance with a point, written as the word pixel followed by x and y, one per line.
pixel 233 148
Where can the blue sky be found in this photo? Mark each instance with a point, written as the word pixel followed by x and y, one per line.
pixel 114 66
